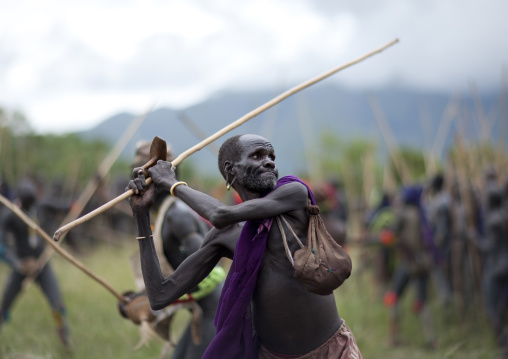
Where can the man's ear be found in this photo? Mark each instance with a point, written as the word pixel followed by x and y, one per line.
pixel 229 168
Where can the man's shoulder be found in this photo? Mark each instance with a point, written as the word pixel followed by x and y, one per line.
pixel 292 185
pixel 290 193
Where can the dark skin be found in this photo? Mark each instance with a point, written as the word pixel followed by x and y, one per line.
pixel 182 235
pixel 287 318
pixel 27 255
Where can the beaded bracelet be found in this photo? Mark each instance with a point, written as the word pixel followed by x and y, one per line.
pixel 174 186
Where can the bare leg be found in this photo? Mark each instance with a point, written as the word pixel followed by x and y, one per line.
pixel 49 285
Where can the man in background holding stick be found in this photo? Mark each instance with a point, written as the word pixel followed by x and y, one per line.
pixel 178 232
pixel 28 247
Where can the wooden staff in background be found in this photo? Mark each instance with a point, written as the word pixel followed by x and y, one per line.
pixel 198 132
pixel 389 138
pixel 443 129
pixel 90 189
pixel 466 193
pixel 57 248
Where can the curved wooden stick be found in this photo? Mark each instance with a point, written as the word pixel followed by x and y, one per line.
pixel 222 132
pixel 58 249
pixel 275 101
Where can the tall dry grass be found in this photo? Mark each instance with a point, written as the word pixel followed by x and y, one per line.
pixel 98 330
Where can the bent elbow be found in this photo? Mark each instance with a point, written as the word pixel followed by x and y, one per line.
pixel 158 301
pixel 218 218
pixel 156 304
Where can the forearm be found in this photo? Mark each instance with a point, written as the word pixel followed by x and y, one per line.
pixel 206 286
pixel 205 205
pixel 164 291
pixel 150 267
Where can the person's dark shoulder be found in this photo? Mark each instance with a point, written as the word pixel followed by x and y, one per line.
pixel 293 189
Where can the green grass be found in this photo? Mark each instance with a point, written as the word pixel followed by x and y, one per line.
pixel 361 305
pixel 98 330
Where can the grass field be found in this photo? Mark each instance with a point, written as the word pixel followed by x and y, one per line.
pixel 98 330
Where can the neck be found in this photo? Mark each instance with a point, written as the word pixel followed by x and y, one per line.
pixel 246 194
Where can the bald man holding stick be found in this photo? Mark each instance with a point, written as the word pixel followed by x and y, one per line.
pixel 264 312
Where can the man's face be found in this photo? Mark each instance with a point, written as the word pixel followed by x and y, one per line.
pixel 256 169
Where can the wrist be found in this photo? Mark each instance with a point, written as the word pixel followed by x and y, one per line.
pixel 141 212
pixel 143 223
pixel 175 185
pixel 165 184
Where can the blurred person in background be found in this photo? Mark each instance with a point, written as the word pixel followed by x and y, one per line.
pixel 28 246
pixel 495 273
pixel 438 205
pixel 178 232
pixel 380 236
pixel 414 249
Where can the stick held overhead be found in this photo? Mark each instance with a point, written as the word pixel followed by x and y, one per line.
pixel 158 151
pixel 222 132
pixel 275 101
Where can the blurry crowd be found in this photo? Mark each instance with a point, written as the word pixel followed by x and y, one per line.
pixel 444 238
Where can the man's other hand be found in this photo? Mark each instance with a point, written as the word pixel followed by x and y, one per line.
pixel 143 196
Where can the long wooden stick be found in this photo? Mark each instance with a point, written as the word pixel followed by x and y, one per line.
pixel 315 173
pixel 57 248
pixel 425 124
pixel 445 123
pixel 222 132
pixel 464 183
pixel 503 125
pixel 198 132
pixel 384 126
pixel 275 101
pixel 92 185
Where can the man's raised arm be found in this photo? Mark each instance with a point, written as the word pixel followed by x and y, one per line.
pixel 287 198
pixel 164 291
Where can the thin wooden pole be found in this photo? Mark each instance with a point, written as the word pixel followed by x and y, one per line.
pixel 16 210
pixel 315 173
pixel 275 101
pixel 447 118
pixel 198 132
pixel 91 187
pixel 503 121
pixel 470 208
pixel 389 138
pixel 222 132
pixel 425 123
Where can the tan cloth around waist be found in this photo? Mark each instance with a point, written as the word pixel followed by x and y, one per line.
pixel 341 345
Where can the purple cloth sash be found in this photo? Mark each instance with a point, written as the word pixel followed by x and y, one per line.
pixel 235 336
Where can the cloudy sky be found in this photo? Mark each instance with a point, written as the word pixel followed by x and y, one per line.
pixel 70 64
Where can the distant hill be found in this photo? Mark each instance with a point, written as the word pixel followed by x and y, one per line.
pixel 319 108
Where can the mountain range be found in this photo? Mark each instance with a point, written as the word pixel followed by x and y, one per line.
pixel 412 117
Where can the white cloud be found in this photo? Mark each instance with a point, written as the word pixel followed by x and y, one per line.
pixel 68 65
